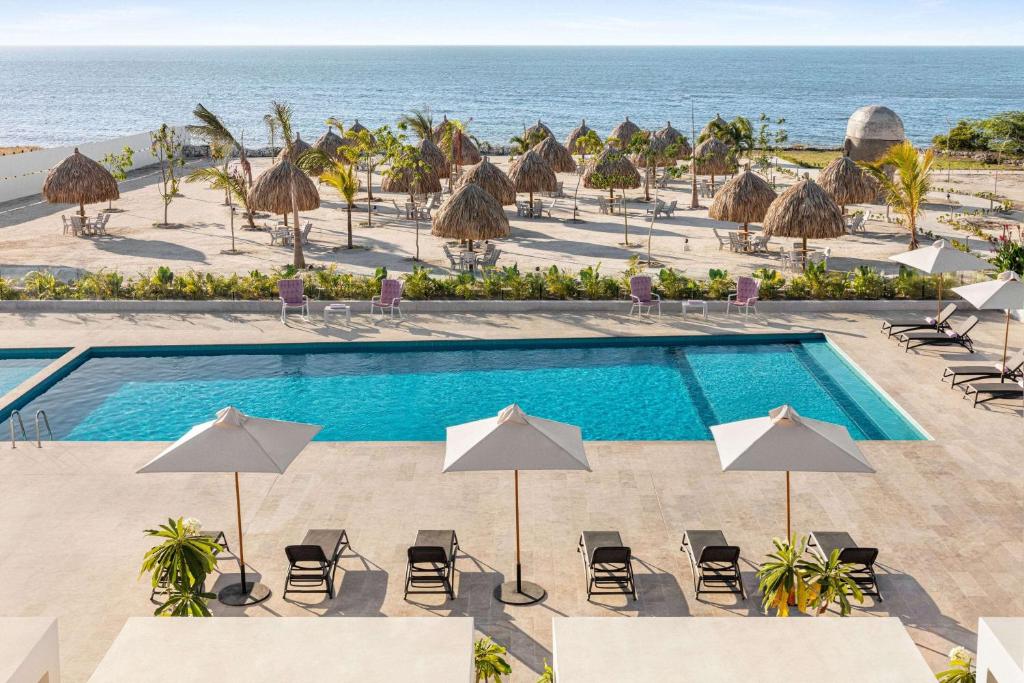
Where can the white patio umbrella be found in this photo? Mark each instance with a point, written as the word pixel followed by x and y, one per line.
pixel 235 442
pixel 786 441
pixel 513 440
pixel 1006 292
pixel 940 258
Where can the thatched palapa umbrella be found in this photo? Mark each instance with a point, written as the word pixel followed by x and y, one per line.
pixel 708 130
pixel 463 150
pixel 428 182
pixel 744 199
pixel 471 213
pixel 493 180
pixel 712 158
pixel 79 180
pixel 434 157
pixel 847 183
pixel 293 151
pixel 284 188
pixel 612 170
pixel 558 157
pixel 667 137
pixel 576 134
pixel 531 173
pixel 439 130
pixel 804 211
pixel 624 132
pixel 328 143
pixel 358 128
pixel 539 129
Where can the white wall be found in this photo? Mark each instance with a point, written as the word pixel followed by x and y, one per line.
pixel 29 650
pixel 22 175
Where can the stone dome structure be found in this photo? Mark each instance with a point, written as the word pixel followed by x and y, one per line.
pixel 871 131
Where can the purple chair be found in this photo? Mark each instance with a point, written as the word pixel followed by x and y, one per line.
pixel 641 295
pixel 745 296
pixel 389 298
pixel 292 296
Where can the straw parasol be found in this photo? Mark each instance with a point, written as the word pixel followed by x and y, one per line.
pixel 707 131
pixel 744 199
pixel 558 157
pixel 273 190
pixel 329 142
pixel 293 151
pixel 79 180
pixel 625 131
pixel 576 134
pixel 493 180
pixel 428 182
pixel 439 130
pixel 665 138
pixel 358 128
pixel 468 153
pixel 847 183
pixel 531 173
pixel 538 128
pixel 712 158
pixel 804 210
pixel 470 213
pixel 434 157
pixel 611 170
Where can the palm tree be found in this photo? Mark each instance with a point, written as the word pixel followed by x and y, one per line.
pixel 738 134
pixel 271 123
pixel 906 191
pixel 222 142
pixel 641 146
pixel 419 121
pixel 365 148
pixel 588 143
pixel 451 144
pixel 230 182
pixel 281 113
pixel 522 143
pixel 405 161
pixel 342 177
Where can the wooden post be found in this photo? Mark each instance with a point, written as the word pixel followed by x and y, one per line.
pixel 241 548
pixel 1006 340
pixel 789 531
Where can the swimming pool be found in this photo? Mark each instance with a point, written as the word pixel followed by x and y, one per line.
pixel 646 389
pixel 17 365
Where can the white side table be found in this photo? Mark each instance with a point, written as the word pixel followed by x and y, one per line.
pixel 336 309
pixel 695 305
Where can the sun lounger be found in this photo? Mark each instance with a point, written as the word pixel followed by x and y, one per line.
pixel 312 563
pixel 983 392
pixel 891 327
pixel 823 543
pixel 961 374
pixel 432 563
pixel 956 335
pixel 713 562
pixel 607 563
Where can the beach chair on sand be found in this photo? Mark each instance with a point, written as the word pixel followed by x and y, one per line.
pixel 961 374
pixel 312 564
pixel 389 298
pixel 713 562
pixel 291 294
pixel 897 326
pixel 607 563
pixel 822 543
pixel 722 241
pixel 641 296
pixel 431 563
pixel 956 335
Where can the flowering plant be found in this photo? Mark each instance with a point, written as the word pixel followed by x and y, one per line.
pixel 192 526
pixel 961 667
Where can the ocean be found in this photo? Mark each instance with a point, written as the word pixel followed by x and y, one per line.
pixel 57 96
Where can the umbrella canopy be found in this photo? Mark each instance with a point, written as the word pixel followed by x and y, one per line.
pixel 847 183
pixel 293 151
pixel 428 182
pixel 272 191
pixel 470 213
pixel 439 129
pixel 531 173
pixel 492 179
pixel 665 138
pixel 467 151
pixel 558 157
pixel 744 199
pixel 940 257
pixel 235 442
pixel 804 211
pixel 624 132
pixel 784 441
pixel 79 180
pixel 712 158
pixel 329 142
pixel 611 170
pixel 578 132
pixel 539 129
pixel 707 131
pixel 1006 293
pixel 513 440
pixel 434 157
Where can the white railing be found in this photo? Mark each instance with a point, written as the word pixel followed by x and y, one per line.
pixel 22 175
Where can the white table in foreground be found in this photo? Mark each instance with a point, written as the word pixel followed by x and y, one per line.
pixel 275 649
pixel 337 309
pixel 587 649
pixel 29 650
pixel 695 305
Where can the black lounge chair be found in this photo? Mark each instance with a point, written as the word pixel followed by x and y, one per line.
pixel 957 334
pixel 432 563
pixel 216 536
pixel 606 562
pixel 312 563
pixel 993 390
pixel 891 327
pixel 713 561
pixel 961 374
pixel 823 543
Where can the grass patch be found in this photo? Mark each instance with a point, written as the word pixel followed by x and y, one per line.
pixel 820 158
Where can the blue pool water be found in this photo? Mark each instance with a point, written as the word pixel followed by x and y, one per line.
pixel 15 370
pixel 648 390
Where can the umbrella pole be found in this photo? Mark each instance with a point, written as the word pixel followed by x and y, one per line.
pixel 789 532
pixel 242 594
pixel 938 302
pixel 518 592
pixel 241 547
pixel 1006 341
pixel 519 566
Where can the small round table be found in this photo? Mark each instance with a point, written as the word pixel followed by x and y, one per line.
pixel 336 309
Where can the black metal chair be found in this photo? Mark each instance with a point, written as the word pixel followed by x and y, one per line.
pixel 862 560
pixel 713 562
pixel 313 563
pixel 431 564
pixel 606 562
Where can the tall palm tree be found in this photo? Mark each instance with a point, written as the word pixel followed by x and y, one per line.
pixel 365 148
pixel 738 134
pixel 281 113
pixel 451 144
pixel 342 177
pixel 641 147
pixel 221 140
pixel 271 123
pixel 419 121
pixel 906 190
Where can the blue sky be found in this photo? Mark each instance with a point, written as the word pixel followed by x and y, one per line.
pixel 517 22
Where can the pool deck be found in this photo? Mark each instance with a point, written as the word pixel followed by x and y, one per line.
pixel 947 515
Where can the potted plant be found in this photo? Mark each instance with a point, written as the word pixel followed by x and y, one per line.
pixel 961 668
pixel 183 559
pixel 829 581
pixel 781 578
pixel 488 661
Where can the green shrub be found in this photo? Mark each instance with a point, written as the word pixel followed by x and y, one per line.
pixel 771 281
